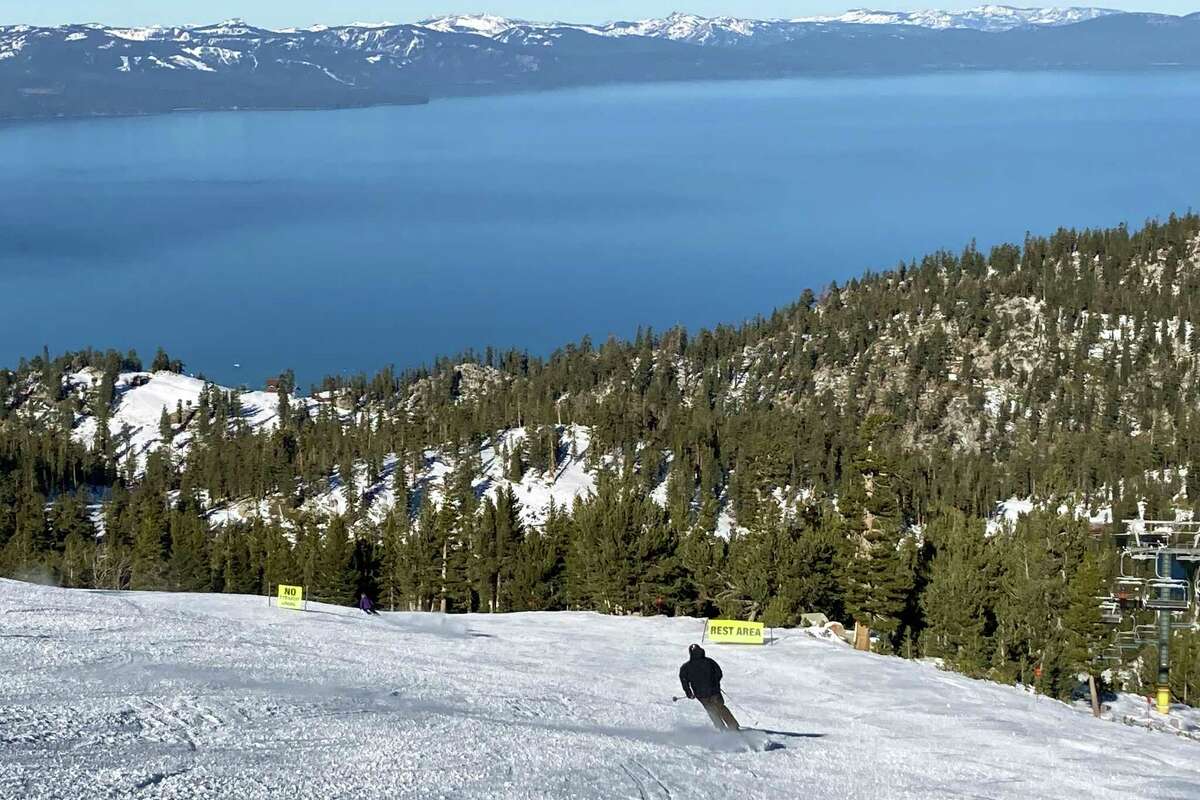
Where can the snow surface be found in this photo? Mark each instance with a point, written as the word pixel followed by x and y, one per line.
pixel 118 695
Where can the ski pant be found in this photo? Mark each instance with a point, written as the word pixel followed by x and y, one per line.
pixel 721 716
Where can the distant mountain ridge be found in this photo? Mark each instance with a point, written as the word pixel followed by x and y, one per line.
pixel 730 30
pixel 87 69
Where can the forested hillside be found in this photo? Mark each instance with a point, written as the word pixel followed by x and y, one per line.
pixel 847 454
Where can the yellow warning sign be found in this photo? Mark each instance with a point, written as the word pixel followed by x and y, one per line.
pixel 732 631
pixel 291 597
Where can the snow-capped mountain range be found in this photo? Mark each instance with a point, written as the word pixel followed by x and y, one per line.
pixel 982 18
pixel 734 30
pixel 87 69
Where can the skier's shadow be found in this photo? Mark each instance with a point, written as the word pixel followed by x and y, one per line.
pixel 791 734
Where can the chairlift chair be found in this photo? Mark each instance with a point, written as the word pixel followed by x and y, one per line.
pixel 1167 596
pixel 1145 634
pixel 1110 613
pixel 1128 642
pixel 1128 591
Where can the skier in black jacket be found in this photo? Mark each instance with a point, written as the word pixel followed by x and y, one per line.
pixel 701 679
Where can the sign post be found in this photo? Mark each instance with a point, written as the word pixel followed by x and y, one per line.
pixel 291 597
pixel 731 631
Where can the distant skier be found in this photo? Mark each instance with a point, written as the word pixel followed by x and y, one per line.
pixel 701 679
pixel 366 605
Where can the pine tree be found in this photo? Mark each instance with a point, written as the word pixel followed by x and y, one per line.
pixel 69 516
pixel 1086 635
pixel 162 362
pixel 498 536
pixel 149 568
pixel 701 555
pixel 396 575
pixel 233 562
pixel 622 555
pixel 336 580
pixel 538 582
pixel 876 581
pixel 76 570
pixel 516 465
pixel 166 431
pixel 957 601
pixel 26 553
pixel 188 566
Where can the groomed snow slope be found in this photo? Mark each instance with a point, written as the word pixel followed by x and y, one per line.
pixel 218 696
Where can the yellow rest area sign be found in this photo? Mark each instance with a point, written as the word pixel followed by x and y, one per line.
pixel 732 631
pixel 291 597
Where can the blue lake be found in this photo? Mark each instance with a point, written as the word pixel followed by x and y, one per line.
pixel 333 242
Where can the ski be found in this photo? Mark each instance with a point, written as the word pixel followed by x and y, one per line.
pixel 761 743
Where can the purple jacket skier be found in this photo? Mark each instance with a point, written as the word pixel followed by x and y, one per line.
pixel 366 605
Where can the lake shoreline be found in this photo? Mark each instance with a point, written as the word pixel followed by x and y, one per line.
pixel 521 91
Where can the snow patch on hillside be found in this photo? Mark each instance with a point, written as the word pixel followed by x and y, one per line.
pixel 535 491
pixel 142 397
pixel 137 34
pixel 682 28
pixel 479 24
pixel 1009 512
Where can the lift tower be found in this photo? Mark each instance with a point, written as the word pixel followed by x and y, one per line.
pixel 1158 559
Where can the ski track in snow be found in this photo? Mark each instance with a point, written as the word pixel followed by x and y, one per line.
pixel 120 694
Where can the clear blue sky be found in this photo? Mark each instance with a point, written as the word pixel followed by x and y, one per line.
pixel 280 13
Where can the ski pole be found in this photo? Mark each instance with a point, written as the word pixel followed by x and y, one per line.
pixel 754 717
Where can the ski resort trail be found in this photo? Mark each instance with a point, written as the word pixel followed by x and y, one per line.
pixel 114 695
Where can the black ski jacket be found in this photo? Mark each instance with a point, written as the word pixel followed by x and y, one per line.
pixel 700 676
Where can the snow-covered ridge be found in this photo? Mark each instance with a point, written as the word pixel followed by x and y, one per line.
pixel 990 18
pixel 697 29
pixel 480 24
